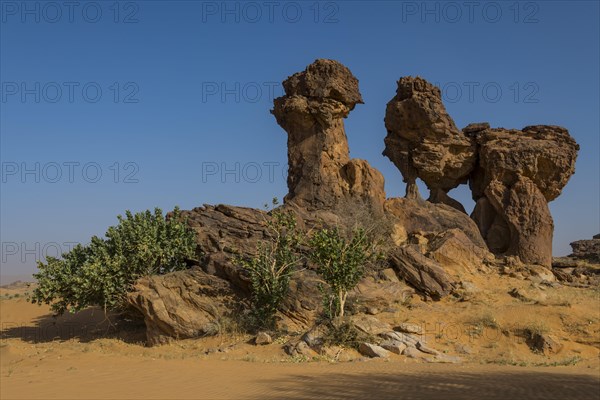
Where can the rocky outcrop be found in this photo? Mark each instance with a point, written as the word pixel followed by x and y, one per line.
pixel 431 244
pixel 423 273
pixel 438 245
pixel 191 303
pixel 588 250
pixel 517 174
pixel 513 174
pixel 410 216
pixel 423 141
pixel 181 305
pixel 457 254
pixel 225 232
pixel 582 267
pixel 321 174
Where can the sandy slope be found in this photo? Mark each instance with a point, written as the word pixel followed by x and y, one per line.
pixel 79 356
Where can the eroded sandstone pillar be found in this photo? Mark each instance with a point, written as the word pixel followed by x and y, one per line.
pixel 423 141
pixel 321 174
pixel 518 173
pixel 513 174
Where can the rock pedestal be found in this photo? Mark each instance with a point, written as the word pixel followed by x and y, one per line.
pixel 321 174
pixel 423 141
pixel 513 174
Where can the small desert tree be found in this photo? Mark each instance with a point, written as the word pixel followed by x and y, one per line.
pixel 101 273
pixel 271 268
pixel 341 261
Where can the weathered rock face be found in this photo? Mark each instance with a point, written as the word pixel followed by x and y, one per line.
pixel 457 254
pixel 581 268
pixel 184 304
pixel 513 174
pixel 222 233
pixel 517 174
pixel 544 154
pixel 409 216
pixel 423 141
pixel 588 250
pixel 421 272
pixel 321 174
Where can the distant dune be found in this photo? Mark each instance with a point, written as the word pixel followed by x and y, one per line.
pixel 9 279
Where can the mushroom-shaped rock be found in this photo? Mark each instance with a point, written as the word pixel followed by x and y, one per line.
pixel 321 174
pixel 518 173
pixel 545 154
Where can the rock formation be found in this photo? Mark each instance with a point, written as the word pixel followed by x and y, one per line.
pixel 513 174
pixel 182 305
pixel 194 303
pixel 588 250
pixel 409 216
pixel 517 174
pixel 321 174
pixel 423 141
pixel 421 272
pixel 582 267
pixel 432 245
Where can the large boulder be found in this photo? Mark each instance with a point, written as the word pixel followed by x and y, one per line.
pixel 517 174
pixel 544 154
pixel 457 254
pixel 423 273
pixel 321 174
pixel 423 141
pixel 224 233
pixel 183 304
pixel 409 216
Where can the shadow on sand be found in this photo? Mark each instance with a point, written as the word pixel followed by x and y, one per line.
pixel 449 385
pixel 84 326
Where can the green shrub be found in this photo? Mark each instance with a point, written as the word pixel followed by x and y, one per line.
pixel 341 262
pixel 271 268
pixel 344 334
pixel 101 273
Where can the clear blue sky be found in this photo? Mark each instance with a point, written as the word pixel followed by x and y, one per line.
pixel 194 83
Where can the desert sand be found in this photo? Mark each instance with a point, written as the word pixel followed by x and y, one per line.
pixel 82 356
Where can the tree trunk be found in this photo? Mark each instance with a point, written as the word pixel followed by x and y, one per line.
pixel 342 297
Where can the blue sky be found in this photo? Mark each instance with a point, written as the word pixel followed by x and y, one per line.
pixel 131 105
